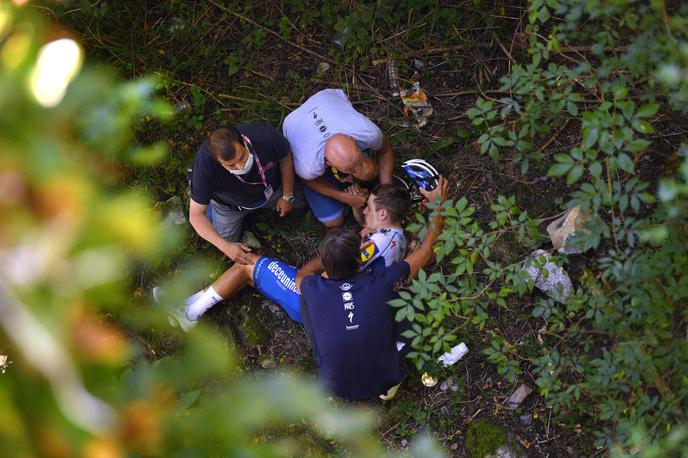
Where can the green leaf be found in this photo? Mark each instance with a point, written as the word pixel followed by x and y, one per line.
pixel 625 162
pixel 647 110
pixel 637 145
pixel 574 174
pixel 595 169
pixel 572 108
pixel 558 170
pixel 643 126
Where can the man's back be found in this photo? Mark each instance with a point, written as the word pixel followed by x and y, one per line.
pixel 325 113
pixel 352 330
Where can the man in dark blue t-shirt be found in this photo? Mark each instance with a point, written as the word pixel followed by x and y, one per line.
pixel 240 169
pixel 345 313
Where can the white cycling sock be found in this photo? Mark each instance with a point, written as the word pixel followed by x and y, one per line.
pixel 191 299
pixel 202 304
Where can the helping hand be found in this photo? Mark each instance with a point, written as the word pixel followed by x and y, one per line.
pixel 239 253
pixel 283 207
pixel 355 196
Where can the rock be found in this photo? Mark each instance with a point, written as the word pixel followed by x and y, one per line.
pixel 547 276
pixel 172 210
pixel 449 385
pixel 268 363
pixel 274 308
pixel 505 452
pixel 250 240
pixel 518 396
pixel 526 420
pixel 323 67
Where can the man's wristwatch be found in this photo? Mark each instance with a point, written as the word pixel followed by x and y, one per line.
pixel 289 198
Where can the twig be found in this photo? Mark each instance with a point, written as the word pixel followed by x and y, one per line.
pixel 427 51
pixel 272 32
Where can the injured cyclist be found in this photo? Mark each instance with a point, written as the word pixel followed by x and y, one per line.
pixel 383 238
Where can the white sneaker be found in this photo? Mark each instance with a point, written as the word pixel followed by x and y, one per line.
pixel 178 318
pixel 157 294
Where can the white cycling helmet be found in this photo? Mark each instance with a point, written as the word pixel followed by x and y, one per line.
pixel 421 173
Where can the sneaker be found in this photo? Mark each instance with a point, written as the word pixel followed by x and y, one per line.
pixel 178 318
pixel 157 294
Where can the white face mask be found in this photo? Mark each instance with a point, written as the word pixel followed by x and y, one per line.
pixel 247 166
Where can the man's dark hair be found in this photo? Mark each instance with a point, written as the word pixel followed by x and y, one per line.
pixel 340 253
pixel 393 199
pixel 221 143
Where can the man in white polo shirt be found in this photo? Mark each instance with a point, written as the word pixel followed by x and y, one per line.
pixel 334 147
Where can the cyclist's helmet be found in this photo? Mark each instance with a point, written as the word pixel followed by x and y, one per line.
pixel 421 173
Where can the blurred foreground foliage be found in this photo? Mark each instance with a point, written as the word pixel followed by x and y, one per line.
pixel 77 382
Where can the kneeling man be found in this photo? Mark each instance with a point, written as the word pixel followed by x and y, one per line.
pixel 345 313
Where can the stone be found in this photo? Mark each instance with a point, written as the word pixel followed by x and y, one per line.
pixel 268 363
pixel 172 210
pixel 547 276
pixel 518 396
pixel 526 420
pixel 250 240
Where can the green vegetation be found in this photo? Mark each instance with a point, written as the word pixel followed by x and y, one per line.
pixel 483 438
pixel 540 106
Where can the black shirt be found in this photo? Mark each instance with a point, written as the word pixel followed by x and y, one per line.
pixel 352 330
pixel 209 180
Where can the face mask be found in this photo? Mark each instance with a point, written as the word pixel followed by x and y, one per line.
pixel 246 168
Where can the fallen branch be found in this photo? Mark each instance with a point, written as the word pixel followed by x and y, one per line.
pixel 272 32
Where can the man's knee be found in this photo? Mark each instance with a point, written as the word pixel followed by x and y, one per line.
pixel 334 223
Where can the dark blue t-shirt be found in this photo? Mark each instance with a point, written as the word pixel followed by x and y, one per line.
pixel 352 330
pixel 209 180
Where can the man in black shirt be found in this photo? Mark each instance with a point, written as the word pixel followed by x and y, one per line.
pixel 240 169
pixel 345 313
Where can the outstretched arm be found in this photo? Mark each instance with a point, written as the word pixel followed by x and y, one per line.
pixel 203 227
pixel 422 256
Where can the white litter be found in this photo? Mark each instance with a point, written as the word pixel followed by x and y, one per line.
pixel 562 228
pixel 454 355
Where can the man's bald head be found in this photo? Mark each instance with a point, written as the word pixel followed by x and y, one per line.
pixel 342 153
